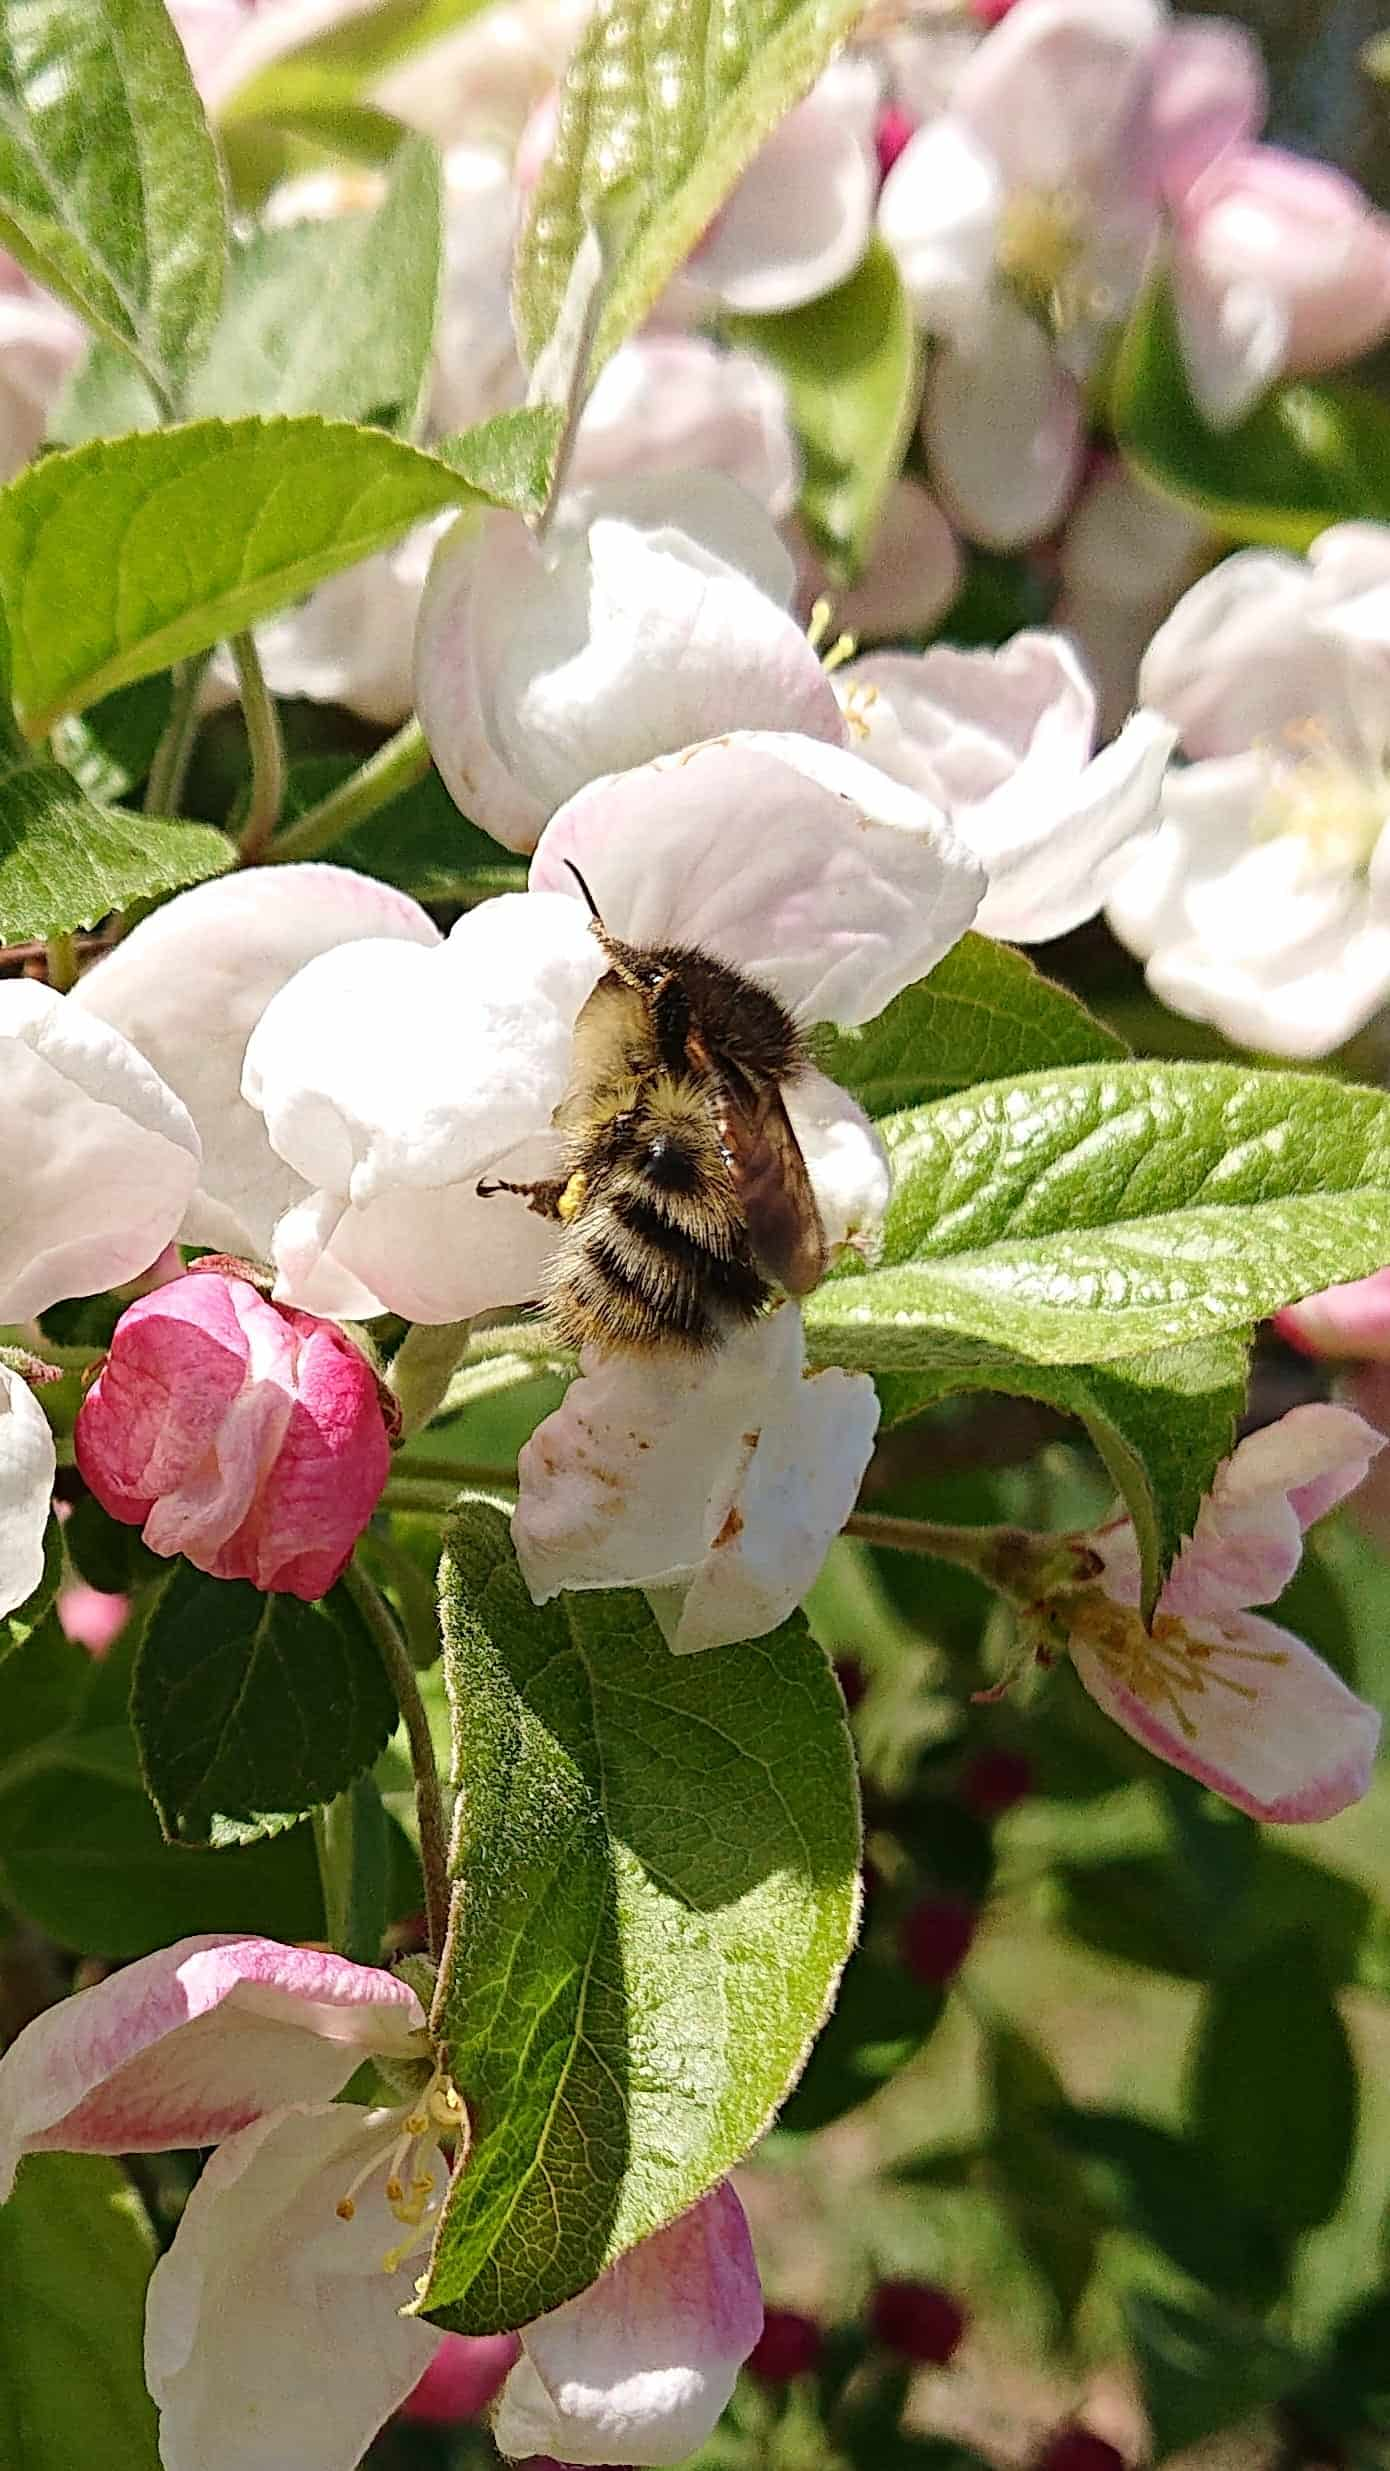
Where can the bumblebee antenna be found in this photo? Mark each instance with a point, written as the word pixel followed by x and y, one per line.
pixel 593 905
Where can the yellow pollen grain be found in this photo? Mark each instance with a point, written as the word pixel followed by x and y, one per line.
pixel 345 2209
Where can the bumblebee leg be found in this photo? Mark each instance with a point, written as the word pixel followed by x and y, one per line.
pixel 546 1197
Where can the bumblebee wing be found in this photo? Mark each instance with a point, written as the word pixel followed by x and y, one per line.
pixel 769 1176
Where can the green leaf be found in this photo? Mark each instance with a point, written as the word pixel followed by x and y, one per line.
pixel 338 67
pixel 509 458
pixel 1040 2186
pixel 1204 2368
pixel 66 862
pixel 251 1710
pixel 670 111
pixel 657 1860
pixel 851 364
pixel 1274 2085
pixel 985 1012
pixel 75 2256
pixel 110 191
pixel 110 749
pixel 1308 456
pixel 334 315
pixel 881 2019
pixel 21 1622
pixel 123 556
pixel 1167 2188
pixel 1113 1210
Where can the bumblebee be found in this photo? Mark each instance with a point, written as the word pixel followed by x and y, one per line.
pixel 685 1201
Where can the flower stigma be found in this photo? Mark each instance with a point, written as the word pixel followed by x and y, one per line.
pixel 1167 1666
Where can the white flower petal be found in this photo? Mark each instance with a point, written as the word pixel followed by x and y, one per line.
pixel 1243 658
pixel 28 1464
pixel 1005 429
pixel 939 214
pixel 101 1156
pixel 1234 337
pixel 796 862
pixel 639 2367
pixel 392 1081
pixel 845 1159
pixel 719 1486
pixel 1248 1540
pixel 958 725
pixel 911 575
pixel 798 221
pixel 1050 860
pixel 674 404
pixel 189 985
pixel 1055 92
pixel 630 633
pixel 272 2334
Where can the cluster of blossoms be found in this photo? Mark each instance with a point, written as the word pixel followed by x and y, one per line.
pixel 297 1068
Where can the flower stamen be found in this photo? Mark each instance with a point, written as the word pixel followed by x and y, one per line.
pixel 1166 1666
pixel 1337 808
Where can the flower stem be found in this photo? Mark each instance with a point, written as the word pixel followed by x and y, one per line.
pixel 350 1840
pixel 1015 1563
pixel 429 1803
pixel 164 788
pixel 267 751
pixel 424 1467
pixel 395 767
pixel 62 962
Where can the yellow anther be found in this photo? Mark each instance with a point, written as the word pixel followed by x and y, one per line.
pixel 417 2123
pixel 818 624
pixel 345 2209
pixel 394 2190
pixel 843 649
pixel 1041 245
pixel 1166 1666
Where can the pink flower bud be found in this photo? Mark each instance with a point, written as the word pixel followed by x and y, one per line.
pixel 461 2379
pixel 242 1434
pixel 1305 235
pixel 1343 1321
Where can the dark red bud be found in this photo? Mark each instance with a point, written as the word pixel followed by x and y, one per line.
pixel 918 2320
pixel 934 1939
pixel 994 1780
pixel 788 2346
pixel 1075 2448
pixel 853 1680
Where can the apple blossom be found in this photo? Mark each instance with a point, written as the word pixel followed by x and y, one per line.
pixel 463 2377
pixel 486 77
pixel 1021 218
pixel 1262 904
pixel 677 404
pixel 188 985
pixel 726 1526
pixel 41 342
pixel 278 2324
pixel 102 1156
pixel 244 1435
pixel 1280 265
pixel 28 1463
pixel 629 632
pixel 1343 1323
pixel 1002 742
pixel 911 572
pixel 1218 1691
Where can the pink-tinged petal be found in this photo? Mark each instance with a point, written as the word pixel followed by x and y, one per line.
pixel 461 2380
pixel 273 2334
pixel 1056 92
pixel 1207 91
pixel 1304 234
pixel 188 2045
pixel 675 403
pixel 1267 1725
pixel 40 343
pixel 911 575
pixel 640 2366
pixel 188 986
pixel 1351 1321
pixel 850 888
pixel 654 614
pixel 1234 335
pixel 958 725
pixel 1248 1539
pixel 28 1464
pixel 1005 429
pixel 100 1154
pixel 394 1082
pixel 798 222
pixel 91 1617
